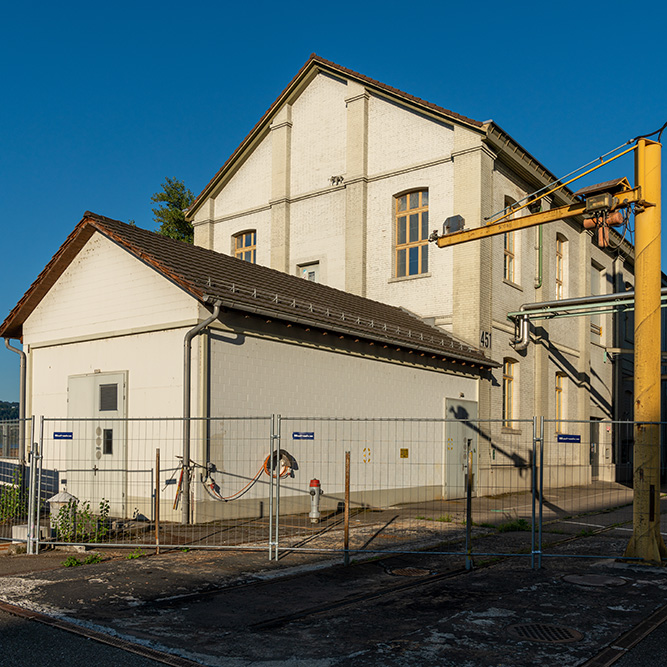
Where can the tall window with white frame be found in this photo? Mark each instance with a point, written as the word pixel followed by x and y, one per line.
pixel 560 390
pixel 509 368
pixel 245 246
pixel 411 249
pixel 560 266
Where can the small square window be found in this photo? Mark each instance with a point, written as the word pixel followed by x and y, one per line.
pixel 107 441
pixel 108 397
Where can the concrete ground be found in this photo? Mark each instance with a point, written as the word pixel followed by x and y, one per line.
pixel 238 608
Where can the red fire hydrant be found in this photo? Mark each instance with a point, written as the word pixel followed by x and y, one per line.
pixel 315 493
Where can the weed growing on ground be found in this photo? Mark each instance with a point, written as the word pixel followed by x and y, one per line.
pixel 510 526
pixel 445 519
pixel 137 553
pixel 92 559
pixel 73 561
pixel 13 499
pixel 75 522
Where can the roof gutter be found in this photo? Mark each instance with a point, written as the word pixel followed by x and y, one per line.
pixel 22 396
pixel 187 405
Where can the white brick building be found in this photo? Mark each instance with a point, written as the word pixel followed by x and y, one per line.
pixel 343 179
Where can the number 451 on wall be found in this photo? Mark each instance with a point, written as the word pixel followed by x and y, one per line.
pixel 485 339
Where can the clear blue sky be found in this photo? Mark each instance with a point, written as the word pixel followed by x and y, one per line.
pixel 100 102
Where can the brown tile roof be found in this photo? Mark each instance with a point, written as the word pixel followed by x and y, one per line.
pixel 250 288
pixel 327 65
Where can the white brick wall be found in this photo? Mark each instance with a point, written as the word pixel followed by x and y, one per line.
pixel 318 135
pixel 398 137
pixel 250 186
pixel 317 233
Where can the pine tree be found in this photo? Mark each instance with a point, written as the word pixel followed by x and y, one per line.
pixel 174 199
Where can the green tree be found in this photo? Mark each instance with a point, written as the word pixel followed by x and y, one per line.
pixel 174 199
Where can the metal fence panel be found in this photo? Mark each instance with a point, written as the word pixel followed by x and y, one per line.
pixel 14 476
pixel 465 487
pixel 101 479
pixel 586 487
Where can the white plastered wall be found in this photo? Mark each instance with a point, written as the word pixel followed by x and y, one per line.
pixel 108 313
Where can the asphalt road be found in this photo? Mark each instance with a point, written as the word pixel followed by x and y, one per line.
pixel 25 642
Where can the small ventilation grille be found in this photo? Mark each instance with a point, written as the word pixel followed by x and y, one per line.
pixel 544 632
pixel 108 397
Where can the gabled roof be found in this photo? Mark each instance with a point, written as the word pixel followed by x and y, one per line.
pixel 210 276
pixel 317 64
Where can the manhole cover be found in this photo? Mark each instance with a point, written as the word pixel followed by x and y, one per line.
pixel 411 572
pixel 597 580
pixel 544 632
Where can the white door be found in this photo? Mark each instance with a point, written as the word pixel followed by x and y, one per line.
pixel 97 454
pixel 460 437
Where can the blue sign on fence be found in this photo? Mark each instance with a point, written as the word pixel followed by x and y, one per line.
pixel 62 435
pixel 564 437
pixel 303 436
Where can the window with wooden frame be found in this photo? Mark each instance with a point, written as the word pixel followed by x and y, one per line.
pixel 509 257
pixel 509 368
pixel 411 215
pixel 245 246
pixel 560 401
pixel 509 248
pixel 560 267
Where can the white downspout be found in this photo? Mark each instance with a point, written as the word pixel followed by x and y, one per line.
pixel 22 396
pixel 187 366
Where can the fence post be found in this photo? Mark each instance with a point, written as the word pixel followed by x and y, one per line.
pixel 157 501
pixel 541 487
pixel 469 563
pixel 346 535
pixel 534 492
pixel 275 472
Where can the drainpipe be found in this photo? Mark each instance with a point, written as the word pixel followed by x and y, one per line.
pixel 538 279
pixel 22 394
pixel 187 365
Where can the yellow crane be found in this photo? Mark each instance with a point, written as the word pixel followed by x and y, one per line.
pixel 602 208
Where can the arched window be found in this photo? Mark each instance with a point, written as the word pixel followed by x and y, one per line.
pixel 245 246
pixel 411 215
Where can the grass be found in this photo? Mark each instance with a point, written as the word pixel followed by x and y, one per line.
pixel 442 519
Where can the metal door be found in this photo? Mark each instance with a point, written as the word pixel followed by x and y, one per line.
pixel 595 447
pixel 460 434
pixel 97 454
